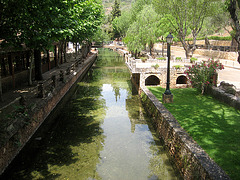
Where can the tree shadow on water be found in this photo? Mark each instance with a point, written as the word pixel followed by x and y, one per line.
pixel 71 148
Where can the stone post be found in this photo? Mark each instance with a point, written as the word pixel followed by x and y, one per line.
pixel 62 76
pixel 40 90
pixel 54 82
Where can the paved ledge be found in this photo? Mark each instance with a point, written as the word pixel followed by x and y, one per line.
pixel 190 159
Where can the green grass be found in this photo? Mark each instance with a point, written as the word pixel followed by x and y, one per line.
pixel 215 126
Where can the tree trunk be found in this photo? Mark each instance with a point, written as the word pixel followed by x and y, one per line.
pixel 232 8
pixel 65 51
pixel 60 52
pixel 3 66
pixel 150 48
pixel 207 43
pixel 10 63
pixel 48 60
pixel 239 53
pixel 1 99
pixel 30 69
pixel 38 64
pixel 162 48
pixel 76 49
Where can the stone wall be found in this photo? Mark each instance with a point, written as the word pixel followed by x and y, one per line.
pixel 190 159
pixel 227 98
pixel 217 54
pixel 42 108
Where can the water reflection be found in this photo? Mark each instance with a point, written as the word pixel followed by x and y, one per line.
pixel 103 133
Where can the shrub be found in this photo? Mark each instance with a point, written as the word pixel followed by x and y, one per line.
pixel 178 58
pixel 200 75
pixel 177 66
pixel 144 59
pixel 193 59
pixel 227 38
pixel 155 66
pixel 161 58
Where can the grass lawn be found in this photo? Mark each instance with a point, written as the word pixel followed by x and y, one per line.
pixel 214 125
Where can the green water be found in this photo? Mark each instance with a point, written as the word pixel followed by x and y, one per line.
pixel 102 133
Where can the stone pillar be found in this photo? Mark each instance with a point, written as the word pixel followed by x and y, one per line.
pixel 167 98
pixel 54 82
pixel 40 90
pixel 62 76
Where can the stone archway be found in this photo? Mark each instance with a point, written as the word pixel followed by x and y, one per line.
pixel 152 80
pixel 181 80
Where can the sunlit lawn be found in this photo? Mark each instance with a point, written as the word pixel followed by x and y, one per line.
pixel 214 125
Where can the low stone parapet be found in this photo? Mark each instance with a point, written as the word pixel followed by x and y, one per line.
pixel 40 109
pixel 190 159
pixel 222 95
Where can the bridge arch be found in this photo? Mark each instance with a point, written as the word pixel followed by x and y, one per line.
pixel 152 80
pixel 182 80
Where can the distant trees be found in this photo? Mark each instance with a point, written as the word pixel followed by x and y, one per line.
pixel 116 12
pixel 182 18
pixel 121 24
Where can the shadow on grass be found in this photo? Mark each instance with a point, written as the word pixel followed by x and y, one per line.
pixel 214 125
pixel 71 149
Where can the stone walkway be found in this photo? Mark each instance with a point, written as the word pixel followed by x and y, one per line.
pixel 13 96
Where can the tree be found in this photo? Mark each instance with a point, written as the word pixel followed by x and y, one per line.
pixel 38 24
pixel 216 21
pixel 116 12
pixel 121 24
pixel 233 7
pixel 145 30
pixel 132 40
pixel 186 16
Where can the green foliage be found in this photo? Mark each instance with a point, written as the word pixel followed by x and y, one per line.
pixel 215 126
pixel 201 75
pixel 185 17
pixel 101 35
pixel 121 24
pixel 220 38
pixel 37 24
pixel 155 66
pixel 144 30
pixel 161 58
pixel 144 59
pixel 177 66
pixel 193 59
pixel 116 12
pixel 179 58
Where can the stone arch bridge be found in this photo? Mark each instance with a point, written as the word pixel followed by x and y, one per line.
pixel 154 72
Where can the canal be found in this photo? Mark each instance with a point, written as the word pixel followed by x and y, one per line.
pixel 103 132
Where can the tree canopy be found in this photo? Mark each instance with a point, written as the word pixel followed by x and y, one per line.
pixel 37 24
pixel 145 30
pixel 186 17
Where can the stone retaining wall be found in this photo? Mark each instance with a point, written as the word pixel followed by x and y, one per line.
pixel 221 95
pixel 217 54
pixel 42 109
pixel 190 159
